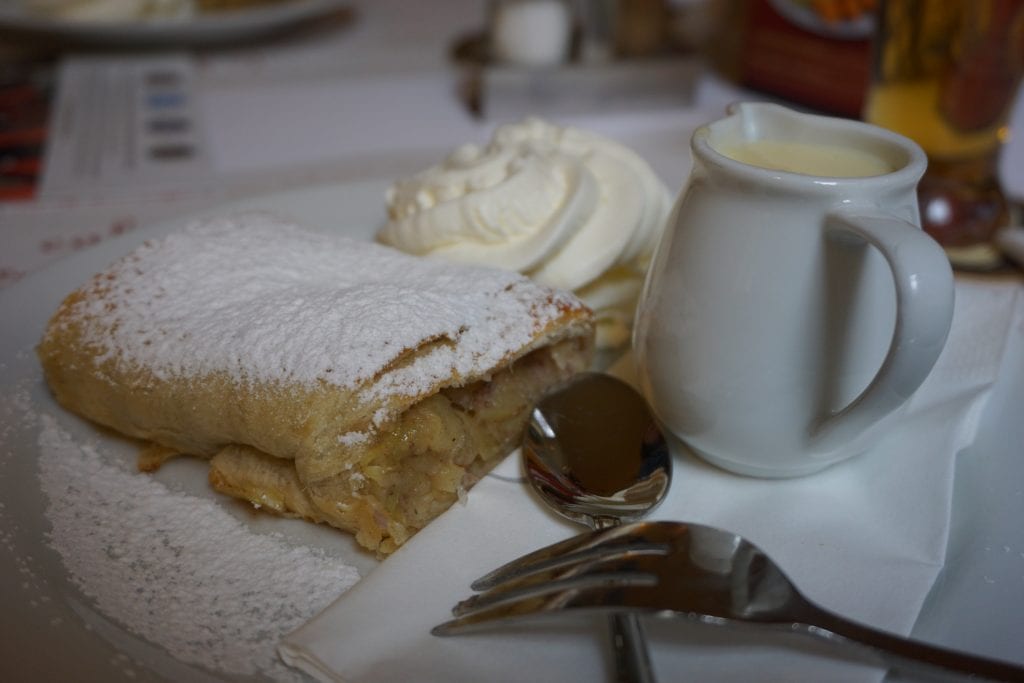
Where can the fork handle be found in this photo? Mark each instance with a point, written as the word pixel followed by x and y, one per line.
pixel 908 654
pixel 632 662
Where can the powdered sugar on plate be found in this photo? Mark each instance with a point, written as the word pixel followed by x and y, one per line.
pixel 176 569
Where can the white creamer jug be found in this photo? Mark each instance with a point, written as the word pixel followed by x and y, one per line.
pixel 788 313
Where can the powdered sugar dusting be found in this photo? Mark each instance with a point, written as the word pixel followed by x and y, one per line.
pixel 265 300
pixel 176 569
pixel 353 438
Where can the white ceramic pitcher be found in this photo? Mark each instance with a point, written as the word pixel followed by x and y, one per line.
pixel 787 315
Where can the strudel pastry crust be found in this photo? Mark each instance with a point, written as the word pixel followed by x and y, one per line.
pixel 327 378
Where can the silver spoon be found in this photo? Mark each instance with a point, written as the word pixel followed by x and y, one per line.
pixel 595 455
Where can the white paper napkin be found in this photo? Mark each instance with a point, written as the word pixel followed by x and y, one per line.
pixel 865 538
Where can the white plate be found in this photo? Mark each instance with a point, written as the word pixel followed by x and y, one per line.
pixel 50 631
pixel 204 29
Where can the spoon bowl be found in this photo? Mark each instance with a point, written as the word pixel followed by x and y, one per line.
pixel 595 454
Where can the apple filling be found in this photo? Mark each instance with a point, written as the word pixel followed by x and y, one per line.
pixel 391 485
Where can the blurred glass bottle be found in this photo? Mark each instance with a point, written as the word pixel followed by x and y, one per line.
pixel 945 73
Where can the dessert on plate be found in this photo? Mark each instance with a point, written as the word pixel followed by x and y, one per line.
pixel 569 208
pixel 100 11
pixel 333 379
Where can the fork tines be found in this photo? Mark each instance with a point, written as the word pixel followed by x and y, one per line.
pixel 577 572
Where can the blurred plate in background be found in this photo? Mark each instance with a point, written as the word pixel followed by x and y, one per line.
pixel 202 29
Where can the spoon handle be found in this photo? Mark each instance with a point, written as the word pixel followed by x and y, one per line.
pixel 629 645
pixel 632 662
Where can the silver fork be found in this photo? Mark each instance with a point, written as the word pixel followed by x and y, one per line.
pixel 672 569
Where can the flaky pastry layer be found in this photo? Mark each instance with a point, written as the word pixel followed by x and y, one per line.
pixel 325 378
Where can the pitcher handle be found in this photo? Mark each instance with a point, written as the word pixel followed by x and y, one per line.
pixel 923 280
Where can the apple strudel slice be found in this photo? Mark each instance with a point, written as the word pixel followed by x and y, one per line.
pixel 323 377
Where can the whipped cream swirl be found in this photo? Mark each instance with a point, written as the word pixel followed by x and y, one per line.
pixel 569 208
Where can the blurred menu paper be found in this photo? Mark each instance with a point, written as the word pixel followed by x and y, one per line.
pixel 866 538
pixel 121 125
